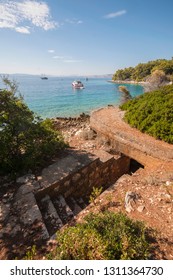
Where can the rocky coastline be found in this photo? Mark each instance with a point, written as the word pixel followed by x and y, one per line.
pixel 127 82
pixel 62 123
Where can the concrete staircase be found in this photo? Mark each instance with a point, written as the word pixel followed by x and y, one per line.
pixel 56 211
pixel 44 204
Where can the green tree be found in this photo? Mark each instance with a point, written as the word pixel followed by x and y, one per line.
pixel 26 141
pixel 143 70
pixel 126 96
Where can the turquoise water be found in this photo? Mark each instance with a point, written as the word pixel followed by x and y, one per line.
pixel 55 97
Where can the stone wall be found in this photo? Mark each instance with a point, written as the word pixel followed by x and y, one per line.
pixel 98 173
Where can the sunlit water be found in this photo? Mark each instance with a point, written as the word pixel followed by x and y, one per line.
pixel 55 97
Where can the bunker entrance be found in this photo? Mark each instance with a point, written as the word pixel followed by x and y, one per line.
pixel 134 166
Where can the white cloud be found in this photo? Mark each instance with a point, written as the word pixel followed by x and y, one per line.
pixel 23 29
pixel 51 51
pixel 116 14
pixel 58 57
pixel 79 21
pixel 66 59
pixel 73 21
pixel 72 60
pixel 15 14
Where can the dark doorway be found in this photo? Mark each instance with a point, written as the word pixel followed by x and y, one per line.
pixel 134 166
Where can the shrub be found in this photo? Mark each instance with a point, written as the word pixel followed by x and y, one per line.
pixel 126 96
pixel 152 113
pixel 26 141
pixel 103 236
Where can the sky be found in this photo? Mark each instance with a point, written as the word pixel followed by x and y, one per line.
pixel 78 37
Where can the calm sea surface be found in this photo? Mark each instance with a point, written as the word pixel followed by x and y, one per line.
pixel 55 97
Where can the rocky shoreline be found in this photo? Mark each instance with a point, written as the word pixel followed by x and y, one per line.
pixel 126 82
pixel 63 123
pixel 75 130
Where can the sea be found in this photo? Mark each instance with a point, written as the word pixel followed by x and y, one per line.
pixel 55 96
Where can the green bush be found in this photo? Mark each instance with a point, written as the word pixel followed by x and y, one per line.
pixel 152 113
pixel 26 141
pixel 103 236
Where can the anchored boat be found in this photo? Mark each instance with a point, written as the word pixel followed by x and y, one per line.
pixel 77 85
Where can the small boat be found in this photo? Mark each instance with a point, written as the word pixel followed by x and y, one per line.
pixel 77 85
pixel 43 77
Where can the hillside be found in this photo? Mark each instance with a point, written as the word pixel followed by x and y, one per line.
pixel 143 70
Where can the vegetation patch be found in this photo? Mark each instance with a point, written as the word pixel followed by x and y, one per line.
pixel 103 236
pixel 26 141
pixel 152 113
pixel 143 70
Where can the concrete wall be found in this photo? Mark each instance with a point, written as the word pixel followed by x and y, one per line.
pixel 96 174
pixel 108 122
pixel 126 149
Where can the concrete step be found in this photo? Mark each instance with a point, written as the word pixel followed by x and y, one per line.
pixel 26 206
pixel 103 155
pixel 50 215
pixel 63 209
pixel 80 201
pixel 74 205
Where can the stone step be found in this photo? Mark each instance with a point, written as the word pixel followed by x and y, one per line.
pixel 85 201
pixel 30 214
pixel 80 201
pixel 63 209
pixel 103 155
pixel 50 215
pixel 74 205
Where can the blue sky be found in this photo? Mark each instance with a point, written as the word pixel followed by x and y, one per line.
pixel 78 37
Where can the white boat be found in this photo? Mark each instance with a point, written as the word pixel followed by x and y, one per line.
pixel 77 85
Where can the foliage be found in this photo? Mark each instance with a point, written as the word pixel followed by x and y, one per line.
pixel 152 113
pixel 95 193
pixel 143 70
pixel 26 141
pixel 125 94
pixel 103 236
pixel 30 254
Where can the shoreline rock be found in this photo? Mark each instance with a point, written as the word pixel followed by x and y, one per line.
pixel 62 123
pixel 127 82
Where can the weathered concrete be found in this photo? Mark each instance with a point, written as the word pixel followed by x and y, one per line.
pixel 26 205
pixel 108 122
pixel 77 174
pixel 54 173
